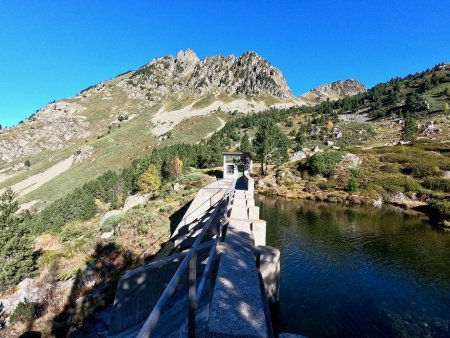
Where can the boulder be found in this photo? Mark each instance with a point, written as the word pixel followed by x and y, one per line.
pixel 19 166
pixel 298 156
pixel 429 128
pixel 377 203
pixel 55 294
pixel 397 198
pixel 134 201
pixel 107 235
pixel 330 143
pixel 266 181
pixel 177 187
pixel 83 153
pixel 314 132
pixel 351 161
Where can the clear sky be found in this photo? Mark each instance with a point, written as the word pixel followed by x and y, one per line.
pixel 52 49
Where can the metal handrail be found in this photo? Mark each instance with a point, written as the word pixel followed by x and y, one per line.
pixel 189 262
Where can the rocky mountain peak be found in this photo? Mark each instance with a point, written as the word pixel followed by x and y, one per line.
pixel 248 75
pixel 185 62
pixel 187 56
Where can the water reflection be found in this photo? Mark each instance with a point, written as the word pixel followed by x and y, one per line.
pixel 359 272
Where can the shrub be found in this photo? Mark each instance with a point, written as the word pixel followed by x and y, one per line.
pixel 397 183
pixel 326 185
pixel 441 209
pixel 24 312
pixel 389 168
pixel 111 223
pixel 421 170
pixel 353 184
pixel 437 183
pixel 324 163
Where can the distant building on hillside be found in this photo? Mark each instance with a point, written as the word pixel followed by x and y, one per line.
pixel 235 164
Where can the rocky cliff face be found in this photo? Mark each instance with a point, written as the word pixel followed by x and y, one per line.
pixel 333 91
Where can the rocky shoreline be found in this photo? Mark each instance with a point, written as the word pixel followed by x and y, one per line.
pixel 398 201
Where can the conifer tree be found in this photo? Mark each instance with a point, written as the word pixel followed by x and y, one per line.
pixel 270 144
pixel 16 251
pixel 246 146
pixel 410 128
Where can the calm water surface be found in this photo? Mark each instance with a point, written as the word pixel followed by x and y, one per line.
pixel 358 272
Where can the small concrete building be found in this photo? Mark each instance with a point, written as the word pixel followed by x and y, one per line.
pixel 235 163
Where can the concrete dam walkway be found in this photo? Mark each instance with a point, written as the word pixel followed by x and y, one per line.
pixel 218 281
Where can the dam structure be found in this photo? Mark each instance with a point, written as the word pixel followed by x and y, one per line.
pixel 219 280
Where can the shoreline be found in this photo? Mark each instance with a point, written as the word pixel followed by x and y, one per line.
pixel 353 200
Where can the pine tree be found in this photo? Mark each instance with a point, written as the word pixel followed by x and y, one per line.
pixel 246 146
pixel 270 144
pixel 410 128
pixel 16 251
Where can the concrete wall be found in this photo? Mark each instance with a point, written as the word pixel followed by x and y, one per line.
pixel 140 289
pixel 268 259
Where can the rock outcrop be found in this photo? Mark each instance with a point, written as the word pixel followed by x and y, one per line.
pixel 333 91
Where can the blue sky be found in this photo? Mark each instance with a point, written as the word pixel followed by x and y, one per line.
pixel 53 49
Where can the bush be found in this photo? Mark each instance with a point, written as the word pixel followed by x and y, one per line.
pixel 422 170
pixel 111 223
pixel 437 183
pixel 441 209
pixel 324 163
pixel 398 183
pixel 326 185
pixel 353 184
pixel 24 312
pixel 389 168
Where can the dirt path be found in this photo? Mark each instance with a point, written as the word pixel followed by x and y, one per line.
pixel 164 121
pixel 33 182
pixel 4 177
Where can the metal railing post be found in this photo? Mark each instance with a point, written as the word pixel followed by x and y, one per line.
pixel 192 295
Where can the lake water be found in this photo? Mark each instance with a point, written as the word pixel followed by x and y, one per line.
pixel 358 272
